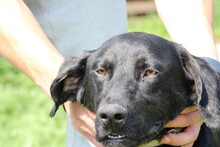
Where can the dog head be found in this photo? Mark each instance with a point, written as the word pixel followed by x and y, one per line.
pixel 135 83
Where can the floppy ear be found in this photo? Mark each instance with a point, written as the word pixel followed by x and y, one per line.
pixel 207 87
pixel 68 83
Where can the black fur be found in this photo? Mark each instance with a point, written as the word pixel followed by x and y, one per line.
pixel 132 106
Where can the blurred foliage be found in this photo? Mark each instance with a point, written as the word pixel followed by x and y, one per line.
pixel 24 112
pixel 24 108
pixel 150 23
pixel 217 20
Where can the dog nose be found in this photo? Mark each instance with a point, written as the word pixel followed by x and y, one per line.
pixel 113 114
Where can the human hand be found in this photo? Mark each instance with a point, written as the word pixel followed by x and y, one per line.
pixel 189 118
pixel 82 120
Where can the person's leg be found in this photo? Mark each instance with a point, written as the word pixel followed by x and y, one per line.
pixel 213 63
pixel 82 25
pixel 73 137
pixel 105 20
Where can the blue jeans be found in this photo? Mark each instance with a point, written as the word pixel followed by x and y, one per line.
pixel 73 137
pixel 213 63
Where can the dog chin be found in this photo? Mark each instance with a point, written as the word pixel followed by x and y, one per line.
pixel 120 143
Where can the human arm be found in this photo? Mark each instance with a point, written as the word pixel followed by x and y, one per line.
pixel 26 46
pixel 189 23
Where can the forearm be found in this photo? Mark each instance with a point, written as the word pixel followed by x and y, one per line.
pixel 25 45
pixel 190 23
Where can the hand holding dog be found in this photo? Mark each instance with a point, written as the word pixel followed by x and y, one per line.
pixel 189 118
pixel 83 120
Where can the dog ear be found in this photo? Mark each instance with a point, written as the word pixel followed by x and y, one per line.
pixel 206 87
pixel 68 82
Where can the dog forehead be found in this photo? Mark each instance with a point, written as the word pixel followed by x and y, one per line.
pixel 132 47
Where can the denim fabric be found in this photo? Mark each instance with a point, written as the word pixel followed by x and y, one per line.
pixel 74 138
pixel 213 63
pixel 77 25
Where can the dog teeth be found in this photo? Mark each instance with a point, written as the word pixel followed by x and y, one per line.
pixel 116 136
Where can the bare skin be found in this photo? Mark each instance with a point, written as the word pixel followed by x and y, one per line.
pixel 26 46
pixel 189 23
pixel 189 118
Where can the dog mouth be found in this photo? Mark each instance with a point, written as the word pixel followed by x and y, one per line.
pixel 117 139
pixel 122 138
pixel 115 136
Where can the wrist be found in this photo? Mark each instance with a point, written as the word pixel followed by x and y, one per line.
pixel 44 75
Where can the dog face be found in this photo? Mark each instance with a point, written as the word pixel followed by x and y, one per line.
pixel 135 83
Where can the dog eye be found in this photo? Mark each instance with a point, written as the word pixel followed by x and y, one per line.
pixel 101 72
pixel 150 73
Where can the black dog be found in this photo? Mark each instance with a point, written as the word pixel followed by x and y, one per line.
pixel 136 83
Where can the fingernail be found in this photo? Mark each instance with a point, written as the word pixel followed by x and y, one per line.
pixel 165 140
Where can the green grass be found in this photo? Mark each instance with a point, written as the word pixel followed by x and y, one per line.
pixel 24 108
pixel 217 20
pixel 149 23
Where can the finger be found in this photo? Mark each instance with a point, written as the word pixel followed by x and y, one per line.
pixel 88 132
pixel 188 145
pixel 94 142
pixel 69 105
pixel 90 137
pixel 187 137
pixel 82 113
pixel 82 128
pixel 81 118
pixel 189 109
pixel 184 120
pixel 84 123
pixel 78 111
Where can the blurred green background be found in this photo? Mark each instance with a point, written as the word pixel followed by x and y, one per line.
pixel 24 108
